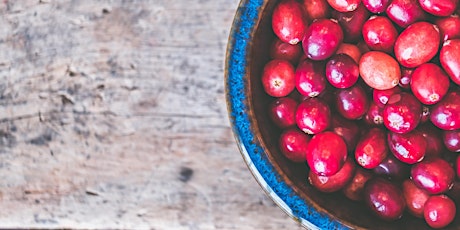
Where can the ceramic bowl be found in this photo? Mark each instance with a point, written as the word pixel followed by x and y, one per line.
pixel 283 181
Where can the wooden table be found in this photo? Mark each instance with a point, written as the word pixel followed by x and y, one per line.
pixel 113 116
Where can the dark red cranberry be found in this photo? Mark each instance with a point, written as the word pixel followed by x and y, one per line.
pixel 278 78
pixel 282 112
pixel 425 114
pixel 451 140
pixel 326 153
pixel 335 182
pixel 355 188
pixel 435 146
pixel 417 44
pixel 402 113
pixel 439 211
pixel 441 8
pixel 381 97
pixel 285 51
pixel 347 129
pixel 316 9
pixel 379 70
pixel 342 71
pixel 322 39
pixel 409 148
pixel 449 27
pixel 352 22
pixel 350 50
pixel 454 192
pixel 446 113
pixel 435 175
pixel 376 6
pixel 345 5
pixel 392 169
pixel 310 78
pixel 406 75
pixel 449 56
pixel 415 198
pixel 384 199
pixel 429 83
pixel 313 116
pixel 372 149
pixel 289 21
pixel 405 12
pixel 293 144
pixel 380 34
pixel 352 103
pixel 374 115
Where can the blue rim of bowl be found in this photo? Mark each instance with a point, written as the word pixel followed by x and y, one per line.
pixel 243 126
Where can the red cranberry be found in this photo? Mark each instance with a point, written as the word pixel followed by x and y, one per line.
pixel 393 169
pixel 451 140
pixel 335 182
pixel 379 70
pixel 322 39
pixel 406 75
pixel 415 198
pixel 310 78
pixel 409 148
pixel 449 56
pixel 326 153
pixel 293 144
pixel 449 27
pixel 316 9
pixel 439 7
pixel 446 113
pixel 313 116
pixel 425 114
pixel 374 115
pixel 429 83
pixel 286 51
pixel 435 175
pixel 355 188
pixel 344 5
pixel 352 22
pixel 342 71
pixel 350 50
pixel 289 21
pixel 439 211
pixel 405 12
pixel 376 6
pixel 352 103
pixel 372 149
pixel 381 97
pixel 282 112
pixel 435 145
pixel 402 113
pixel 347 129
pixel 278 78
pixel 457 167
pixel 384 198
pixel 380 34
pixel 417 44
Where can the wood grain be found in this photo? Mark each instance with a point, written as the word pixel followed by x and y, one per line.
pixel 113 115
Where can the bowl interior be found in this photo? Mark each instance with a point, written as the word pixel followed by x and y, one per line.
pixel 350 213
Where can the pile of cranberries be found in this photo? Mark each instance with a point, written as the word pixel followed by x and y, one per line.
pixel 366 92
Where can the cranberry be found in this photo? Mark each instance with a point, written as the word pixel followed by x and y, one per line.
pixel 429 83
pixel 344 5
pixel 425 114
pixel 435 146
pixel 335 182
pixel 457 167
pixel 379 70
pixel 350 50
pixel 415 198
pixel 342 71
pixel 355 188
pixel 439 211
pixel 326 153
pixel 282 112
pixel 417 44
pixel 347 129
pixel 449 56
pixel 402 113
pixel 406 75
pixel 352 22
pixel 286 51
pixel 352 103
pixel 435 175
pixel 379 34
pixel 384 198
pixel 393 169
pixel 409 148
pixel 289 21
pixel 376 6
pixel 439 7
pixel 372 149
pixel 278 78
pixel 374 115
pixel 381 97
pixel 316 9
pixel 322 39
pixel 313 116
pixel 405 12
pixel 293 144
pixel 449 27
pixel 454 192
pixel 310 78
pixel 451 140
pixel 446 113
